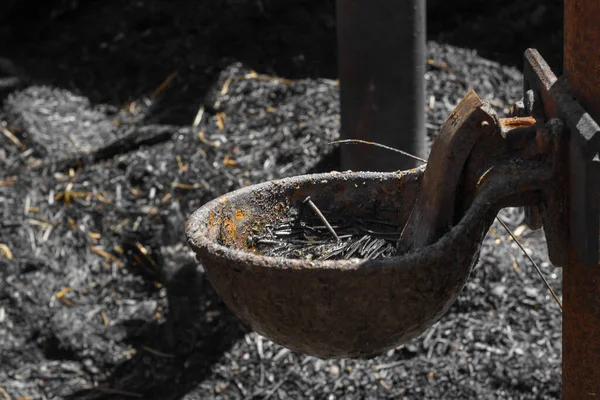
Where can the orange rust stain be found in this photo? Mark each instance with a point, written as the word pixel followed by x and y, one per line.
pixel 239 214
pixel 230 227
pixel 211 219
pixel 517 122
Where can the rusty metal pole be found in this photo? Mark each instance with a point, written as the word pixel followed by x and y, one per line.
pixel 581 281
pixel 381 66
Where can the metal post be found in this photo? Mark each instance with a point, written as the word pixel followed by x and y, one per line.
pixel 381 64
pixel 581 55
pixel 581 282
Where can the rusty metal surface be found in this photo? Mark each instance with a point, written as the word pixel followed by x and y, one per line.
pixel 434 213
pixel 538 80
pixel 523 108
pixel 350 308
pixel 581 56
pixel 581 309
pixel 581 281
pixel 381 64
pixel 579 226
pixel 472 141
pixel 571 217
pixel 555 99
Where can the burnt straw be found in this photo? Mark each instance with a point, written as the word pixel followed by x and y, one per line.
pixel 306 234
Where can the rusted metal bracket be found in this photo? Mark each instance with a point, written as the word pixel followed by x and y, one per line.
pixel 570 213
pixel 434 215
pixel 550 97
pixel 472 142
pixel 551 126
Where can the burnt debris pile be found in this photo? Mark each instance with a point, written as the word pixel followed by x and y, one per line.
pixel 95 232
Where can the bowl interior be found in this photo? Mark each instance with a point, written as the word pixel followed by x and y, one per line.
pixel 233 219
pixel 331 308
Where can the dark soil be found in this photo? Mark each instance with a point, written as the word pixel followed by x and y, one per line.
pixel 101 164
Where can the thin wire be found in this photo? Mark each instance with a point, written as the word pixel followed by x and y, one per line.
pixel 539 271
pixel 322 217
pixel 379 145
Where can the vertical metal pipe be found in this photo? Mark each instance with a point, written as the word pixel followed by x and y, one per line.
pixel 581 299
pixel 581 52
pixel 381 64
pixel 581 283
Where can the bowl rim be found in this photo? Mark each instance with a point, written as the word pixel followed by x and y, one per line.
pixel 452 244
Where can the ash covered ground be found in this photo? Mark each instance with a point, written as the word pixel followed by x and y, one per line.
pixel 101 164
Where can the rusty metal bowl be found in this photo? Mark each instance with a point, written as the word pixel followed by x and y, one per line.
pixel 334 309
